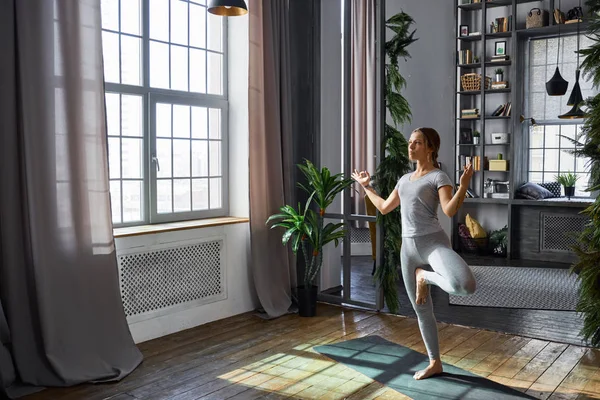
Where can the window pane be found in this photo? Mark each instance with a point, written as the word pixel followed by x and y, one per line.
pixel 582 184
pixel 567 131
pixel 199 158
pixel 181 121
pixel 215 123
pixel 182 195
pixel 536 137
pixel 198 26
pixel 215 29
pixel 131 156
pixel 131 17
pixel 215 193
pixel 198 1
pixel 110 51
pixel 164 195
pixel 132 115
pixel 131 66
pixel 113 120
pixel 215 158
pixel 550 176
pixel 179 22
pixel 163 153
pixel 551 160
pixel 197 71
pixel 159 20
pixel 163 120
pixel 179 68
pixel 536 160
pixel 181 158
pixel 159 65
pixel 215 70
pixel 58 62
pixel 582 164
pixel 199 123
pixel 132 201
pixel 535 177
pixel 552 132
pixel 567 161
pixel 199 194
pixel 115 201
pixel 110 14
pixel 114 158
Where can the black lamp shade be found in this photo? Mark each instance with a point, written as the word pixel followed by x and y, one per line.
pixel 574 113
pixel 576 97
pixel 227 8
pixel 556 86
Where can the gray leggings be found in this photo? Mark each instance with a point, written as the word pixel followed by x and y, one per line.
pixel 450 272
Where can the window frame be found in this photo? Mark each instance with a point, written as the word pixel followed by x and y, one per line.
pixel 544 122
pixel 150 96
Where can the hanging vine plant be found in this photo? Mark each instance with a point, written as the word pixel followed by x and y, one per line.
pixel 588 145
pixel 395 162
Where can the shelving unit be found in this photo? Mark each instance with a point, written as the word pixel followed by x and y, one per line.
pixel 478 17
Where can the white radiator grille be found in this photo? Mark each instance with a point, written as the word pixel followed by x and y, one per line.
pixel 159 278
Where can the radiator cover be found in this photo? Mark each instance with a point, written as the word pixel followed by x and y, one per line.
pixel 163 278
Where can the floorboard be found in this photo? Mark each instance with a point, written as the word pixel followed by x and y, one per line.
pixel 246 357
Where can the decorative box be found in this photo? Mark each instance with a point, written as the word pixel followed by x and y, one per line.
pixel 499 138
pixel 498 165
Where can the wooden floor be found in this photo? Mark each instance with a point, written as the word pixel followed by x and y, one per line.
pixel 245 357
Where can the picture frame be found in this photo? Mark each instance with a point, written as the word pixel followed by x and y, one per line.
pixel 466 136
pixel 500 48
pixel 464 30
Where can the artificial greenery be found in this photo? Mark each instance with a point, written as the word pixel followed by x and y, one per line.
pixel 588 145
pixel 499 71
pixel 476 133
pixel 498 240
pixel 395 162
pixel 567 179
pixel 304 227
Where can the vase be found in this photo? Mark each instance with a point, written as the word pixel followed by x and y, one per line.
pixel 476 140
pixel 307 301
pixel 499 77
pixel 569 191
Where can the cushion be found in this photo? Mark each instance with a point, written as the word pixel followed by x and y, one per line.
pixel 533 191
pixel 553 187
pixel 475 228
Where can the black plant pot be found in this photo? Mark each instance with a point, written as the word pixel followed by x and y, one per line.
pixel 307 301
pixel 569 191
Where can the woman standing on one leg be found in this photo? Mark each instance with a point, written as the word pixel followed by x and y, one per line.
pixel 423 240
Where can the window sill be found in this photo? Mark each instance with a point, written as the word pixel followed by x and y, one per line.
pixel 177 226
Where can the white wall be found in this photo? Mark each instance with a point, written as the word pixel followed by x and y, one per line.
pixel 241 296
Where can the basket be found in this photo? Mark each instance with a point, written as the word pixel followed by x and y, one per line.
pixel 473 81
pixel 469 244
pixel 536 18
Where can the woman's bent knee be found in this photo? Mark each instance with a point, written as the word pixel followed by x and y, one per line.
pixel 465 287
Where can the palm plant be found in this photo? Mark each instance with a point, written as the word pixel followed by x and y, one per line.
pixel 304 228
pixel 588 248
pixel 395 162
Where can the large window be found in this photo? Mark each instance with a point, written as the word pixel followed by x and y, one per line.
pixel 165 69
pixel 548 153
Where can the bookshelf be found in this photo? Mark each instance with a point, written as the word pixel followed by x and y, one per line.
pixel 475 37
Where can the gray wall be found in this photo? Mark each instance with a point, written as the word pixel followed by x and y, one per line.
pixel 430 72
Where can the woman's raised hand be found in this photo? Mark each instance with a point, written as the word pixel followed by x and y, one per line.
pixel 361 177
pixel 465 178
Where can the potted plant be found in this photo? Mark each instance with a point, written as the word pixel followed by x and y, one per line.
pixel 476 137
pixel 498 241
pixel 304 228
pixel 568 181
pixel 499 74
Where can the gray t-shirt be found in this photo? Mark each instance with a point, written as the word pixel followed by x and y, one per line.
pixel 419 201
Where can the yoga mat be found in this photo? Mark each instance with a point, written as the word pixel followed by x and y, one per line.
pixel 394 366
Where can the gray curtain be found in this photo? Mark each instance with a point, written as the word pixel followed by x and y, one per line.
pixel 362 95
pixel 61 318
pixel 271 162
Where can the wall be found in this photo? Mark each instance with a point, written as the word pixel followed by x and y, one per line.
pixel 430 73
pixel 240 287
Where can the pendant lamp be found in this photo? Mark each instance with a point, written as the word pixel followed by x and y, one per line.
pixel 557 86
pixel 227 8
pixel 576 97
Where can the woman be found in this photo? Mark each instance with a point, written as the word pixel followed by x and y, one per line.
pixel 423 240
